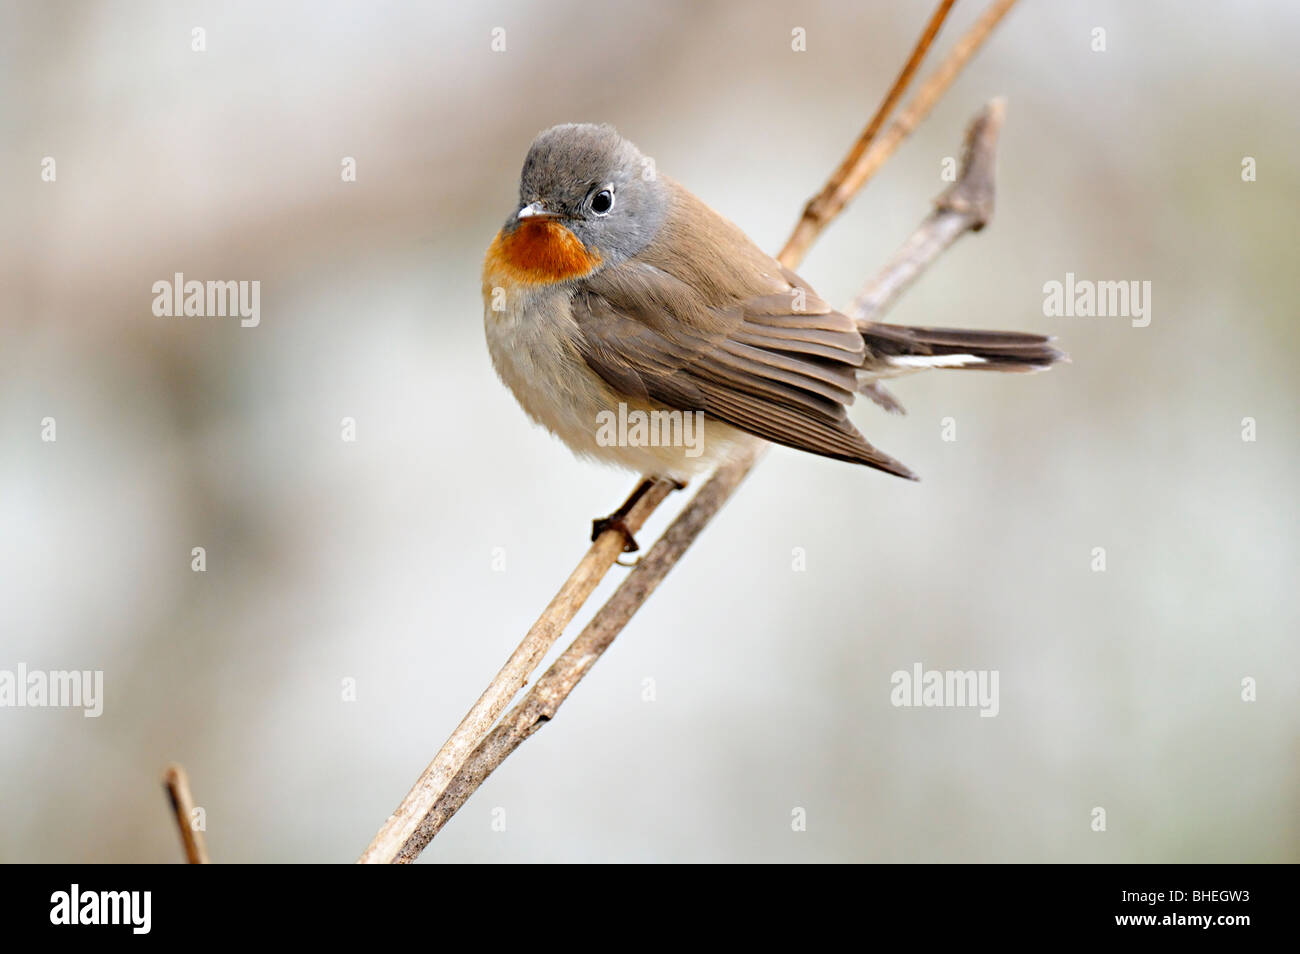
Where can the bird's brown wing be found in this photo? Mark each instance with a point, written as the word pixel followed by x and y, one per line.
pixel 780 365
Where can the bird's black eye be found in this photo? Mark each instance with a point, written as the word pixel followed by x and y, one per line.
pixel 602 202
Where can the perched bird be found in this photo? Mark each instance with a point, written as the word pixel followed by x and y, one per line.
pixel 612 290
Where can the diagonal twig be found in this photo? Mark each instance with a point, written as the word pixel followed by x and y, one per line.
pixel 399 827
pixel 177 785
pixel 828 203
pixel 547 694
pixel 832 200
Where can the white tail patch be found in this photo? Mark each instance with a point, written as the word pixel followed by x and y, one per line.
pixel 935 360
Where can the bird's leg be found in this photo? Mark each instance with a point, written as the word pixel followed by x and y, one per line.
pixel 617 519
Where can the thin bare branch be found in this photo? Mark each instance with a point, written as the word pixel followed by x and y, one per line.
pixel 822 209
pixel 828 203
pixel 547 694
pixel 398 829
pixel 177 785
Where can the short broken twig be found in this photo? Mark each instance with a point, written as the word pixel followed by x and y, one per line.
pixel 177 785
pixel 966 206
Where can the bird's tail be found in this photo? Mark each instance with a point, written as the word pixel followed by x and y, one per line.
pixel 900 349
pixel 895 349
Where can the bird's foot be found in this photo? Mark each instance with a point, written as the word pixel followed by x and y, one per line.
pixel 618 519
pixel 615 521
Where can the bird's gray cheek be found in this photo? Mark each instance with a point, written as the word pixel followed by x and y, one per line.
pixel 624 239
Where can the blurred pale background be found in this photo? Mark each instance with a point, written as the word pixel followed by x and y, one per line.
pixel 372 560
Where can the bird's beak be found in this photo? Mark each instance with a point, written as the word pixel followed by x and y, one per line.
pixel 535 211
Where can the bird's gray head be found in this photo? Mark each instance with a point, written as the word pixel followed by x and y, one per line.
pixel 597 184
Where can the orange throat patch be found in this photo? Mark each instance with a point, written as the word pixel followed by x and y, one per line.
pixel 538 253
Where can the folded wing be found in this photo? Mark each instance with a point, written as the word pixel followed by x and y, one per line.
pixel 780 365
